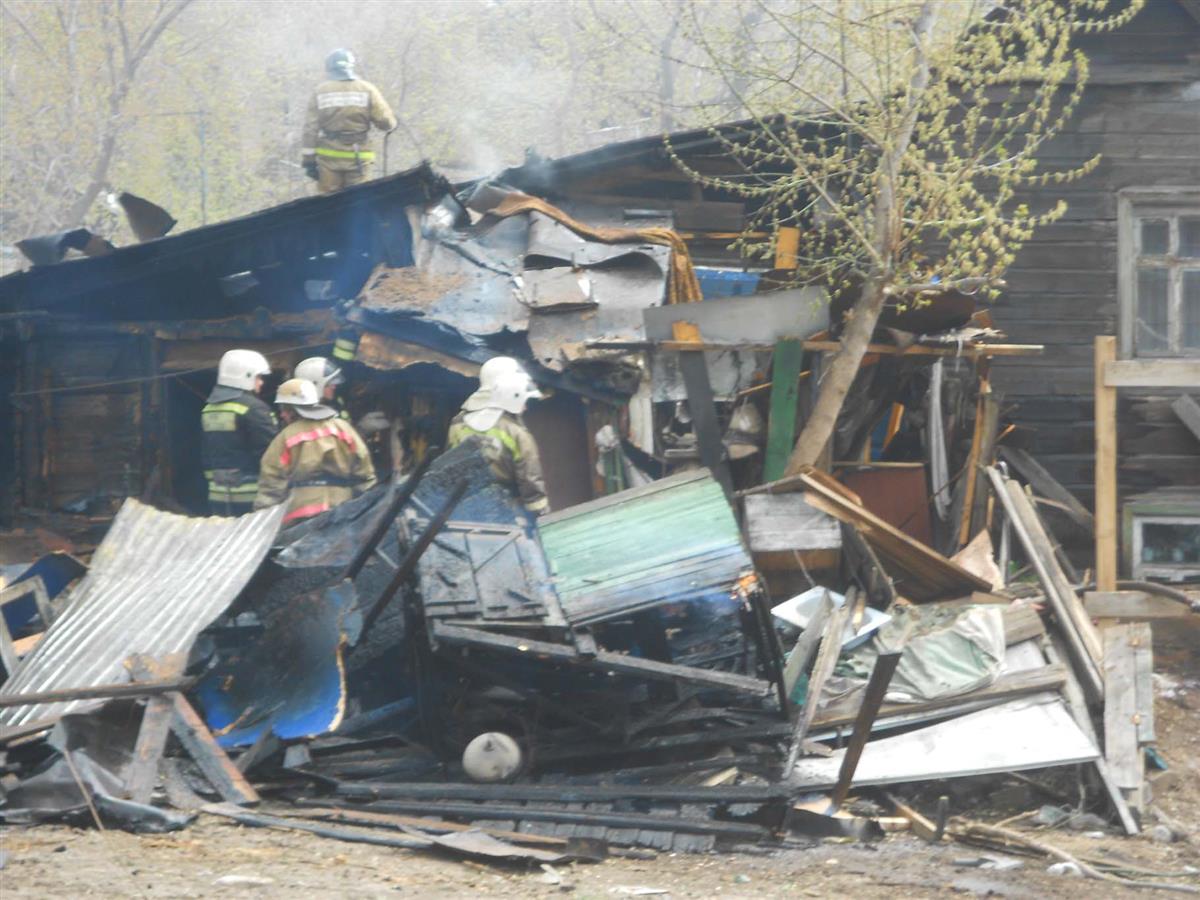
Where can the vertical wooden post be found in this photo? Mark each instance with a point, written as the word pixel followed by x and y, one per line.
pixel 781 423
pixel 1106 466
pixel 787 248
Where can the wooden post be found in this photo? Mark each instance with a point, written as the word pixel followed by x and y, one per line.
pixel 787 248
pixel 1106 467
pixel 781 424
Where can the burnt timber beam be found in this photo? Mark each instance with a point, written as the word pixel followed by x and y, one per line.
pixel 604 660
pixel 566 793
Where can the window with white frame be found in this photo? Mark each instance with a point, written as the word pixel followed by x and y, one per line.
pixel 1160 272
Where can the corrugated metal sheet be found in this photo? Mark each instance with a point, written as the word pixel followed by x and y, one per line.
pixel 156 580
pixel 669 541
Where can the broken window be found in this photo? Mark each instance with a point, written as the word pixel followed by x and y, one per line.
pixel 1160 254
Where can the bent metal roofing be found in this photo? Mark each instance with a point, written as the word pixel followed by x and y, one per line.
pixel 156 581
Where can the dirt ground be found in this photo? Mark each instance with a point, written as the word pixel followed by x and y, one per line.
pixel 215 857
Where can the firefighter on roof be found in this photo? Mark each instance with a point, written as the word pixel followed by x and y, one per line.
pixel 492 417
pixel 316 462
pixel 237 427
pixel 336 150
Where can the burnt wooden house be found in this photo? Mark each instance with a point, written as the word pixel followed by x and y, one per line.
pixel 1124 261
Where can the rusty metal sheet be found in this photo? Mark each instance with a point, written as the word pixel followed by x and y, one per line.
pixel 388 353
pixel 156 580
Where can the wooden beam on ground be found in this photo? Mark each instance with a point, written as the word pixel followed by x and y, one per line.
pixel 922 827
pixel 785 391
pixel 1122 751
pixel 1077 703
pixel 1105 354
pixel 877 685
pixel 1137 605
pixel 198 741
pixel 148 750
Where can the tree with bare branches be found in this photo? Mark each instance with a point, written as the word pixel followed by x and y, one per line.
pixel 898 136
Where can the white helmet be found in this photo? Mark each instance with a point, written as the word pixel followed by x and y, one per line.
pixel 321 372
pixel 512 391
pixel 239 369
pixel 301 395
pixel 489 373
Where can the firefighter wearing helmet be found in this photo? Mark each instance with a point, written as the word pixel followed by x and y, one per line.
pixel 236 428
pixel 343 108
pixel 316 462
pixel 326 376
pixel 491 417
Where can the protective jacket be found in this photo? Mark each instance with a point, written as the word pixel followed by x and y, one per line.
pixel 339 120
pixel 511 452
pixel 314 465
pixel 237 427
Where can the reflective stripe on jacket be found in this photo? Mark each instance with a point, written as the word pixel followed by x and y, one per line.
pixel 314 465
pixel 339 120
pixel 236 427
pixel 512 454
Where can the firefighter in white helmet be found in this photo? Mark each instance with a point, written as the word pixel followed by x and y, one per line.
pixel 236 428
pixel 316 462
pixel 326 376
pixel 494 422
pixel 343 108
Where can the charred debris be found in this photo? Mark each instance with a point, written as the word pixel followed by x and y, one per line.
pixel 695 651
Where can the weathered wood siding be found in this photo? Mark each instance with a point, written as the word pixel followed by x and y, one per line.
pixel 1141 112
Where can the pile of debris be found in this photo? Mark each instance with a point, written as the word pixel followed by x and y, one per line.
pixel 422 668
pixel 723 655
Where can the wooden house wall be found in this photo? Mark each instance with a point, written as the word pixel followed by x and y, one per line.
pixel 1141 112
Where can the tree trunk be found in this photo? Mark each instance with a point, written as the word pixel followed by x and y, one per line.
pixel 818 430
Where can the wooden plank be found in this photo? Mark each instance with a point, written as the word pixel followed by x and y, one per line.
pixel 983 448
pixel 877 685
pixel 1005 687
pixel 1132 605
pixel 802 654
pixel 787 247
pixel 694 369
pixel 786 522
pixel 827 657
pixel 785 391
pixel 1021 623
pixel 1121 749
pixel 1141 640
pixel 1106 466
pixel 921 826
pixel 221 773
pixel 1083 718
pixel 927 575
pixel 1045 485
pixel 1188 411
pixel 151 741
pixel 1157 373
pixel 1024 523
pixel 969 351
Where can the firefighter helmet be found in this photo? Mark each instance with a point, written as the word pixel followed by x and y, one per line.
pixel 492 370
pixel 512 391
pixel 339 65
pixel 321 372
pixel 240 368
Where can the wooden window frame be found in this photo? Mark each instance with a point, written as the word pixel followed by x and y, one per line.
pixel 1132 204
